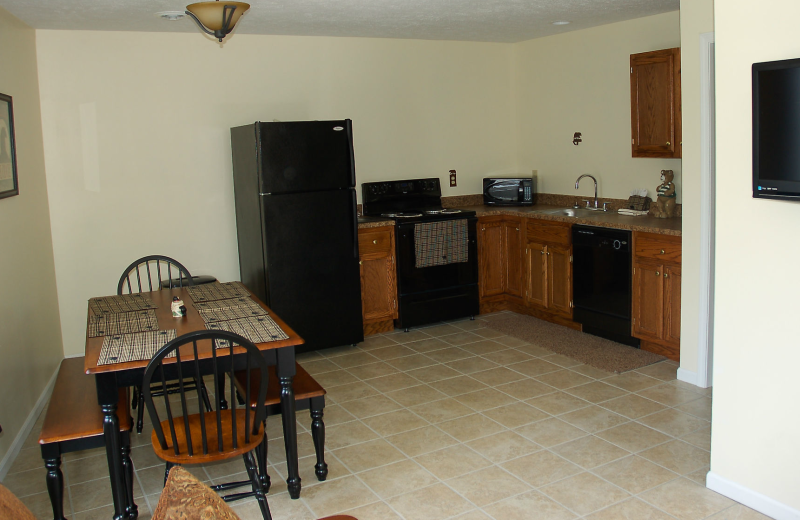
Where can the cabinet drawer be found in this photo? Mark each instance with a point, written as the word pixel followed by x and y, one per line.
pixel 548 231
pixel 664 248
pixel 375 241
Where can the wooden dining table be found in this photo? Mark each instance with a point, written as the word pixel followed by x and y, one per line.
pixel 110 378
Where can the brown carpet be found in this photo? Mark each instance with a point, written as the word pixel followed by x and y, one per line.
pixel 592 350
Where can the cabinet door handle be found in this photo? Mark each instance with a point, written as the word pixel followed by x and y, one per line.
pixel 662 251
pixel 665 275
pixel 374 241
pixel 667 143
pixel 360 262
pixel 548 253
pixel 542 252
pixel 517 229
pixel 657 273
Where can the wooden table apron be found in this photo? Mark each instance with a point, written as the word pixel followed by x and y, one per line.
pixel 109 378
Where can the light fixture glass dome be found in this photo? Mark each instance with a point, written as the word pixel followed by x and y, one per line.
pixel 213 14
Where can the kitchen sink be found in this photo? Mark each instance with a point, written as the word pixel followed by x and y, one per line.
pixel 568 212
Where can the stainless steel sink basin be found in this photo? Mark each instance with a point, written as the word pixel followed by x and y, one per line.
pixel 568 212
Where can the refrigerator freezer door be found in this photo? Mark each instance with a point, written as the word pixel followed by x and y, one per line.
pixel 306 156
pixel 311 251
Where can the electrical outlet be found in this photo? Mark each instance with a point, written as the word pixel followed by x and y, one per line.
pixel 453 182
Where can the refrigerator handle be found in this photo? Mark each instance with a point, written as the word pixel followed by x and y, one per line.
pixel 355 223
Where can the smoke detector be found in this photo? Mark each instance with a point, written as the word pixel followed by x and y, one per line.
pixel 172 16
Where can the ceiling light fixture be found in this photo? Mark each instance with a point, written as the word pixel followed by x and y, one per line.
pixel 217 18
pixel 561 22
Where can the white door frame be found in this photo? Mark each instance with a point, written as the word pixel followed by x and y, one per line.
pixel 705 350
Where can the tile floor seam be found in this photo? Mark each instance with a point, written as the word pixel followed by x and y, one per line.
pixel 630 495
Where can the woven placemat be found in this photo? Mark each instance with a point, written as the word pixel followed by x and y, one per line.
pixel 120 303
pixel 233 313
pixel 258 329
pixel 216 291
pixel 139 346
pixel 122 323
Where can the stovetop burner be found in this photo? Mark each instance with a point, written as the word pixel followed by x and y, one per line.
pixel 404 214
pixel 443 211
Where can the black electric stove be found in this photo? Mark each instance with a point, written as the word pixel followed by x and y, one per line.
pixel 433 293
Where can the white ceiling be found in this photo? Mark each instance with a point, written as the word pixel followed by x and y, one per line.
pixel 465 20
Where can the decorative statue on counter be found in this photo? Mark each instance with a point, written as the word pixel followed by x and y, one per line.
pixel 665 203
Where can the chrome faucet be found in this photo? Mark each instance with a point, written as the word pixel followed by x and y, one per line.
pixel 595 189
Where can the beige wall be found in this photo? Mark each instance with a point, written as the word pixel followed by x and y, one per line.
pixel 580 82
pixel 756 423
pixel 697 17
pixel 132 120
pixel 30 335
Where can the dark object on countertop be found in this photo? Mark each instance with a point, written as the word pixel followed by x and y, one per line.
pixel 297 226
pixel 601 287
pixel 74 422
pixel 508 191
pixel 638 203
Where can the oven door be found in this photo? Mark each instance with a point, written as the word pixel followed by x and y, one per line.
pixel 413 280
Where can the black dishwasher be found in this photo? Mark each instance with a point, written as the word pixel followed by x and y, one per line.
pixel 601 290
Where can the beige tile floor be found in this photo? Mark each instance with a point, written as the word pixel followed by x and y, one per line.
pixel 457 421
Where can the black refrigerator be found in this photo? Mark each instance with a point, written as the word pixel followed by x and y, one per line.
pixel 294 186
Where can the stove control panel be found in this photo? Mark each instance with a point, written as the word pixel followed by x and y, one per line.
pixel 394 188
pixel 381 197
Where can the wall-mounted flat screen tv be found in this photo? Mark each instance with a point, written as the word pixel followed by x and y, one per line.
pixel 776 129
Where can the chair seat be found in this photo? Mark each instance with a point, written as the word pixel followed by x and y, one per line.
pixel 305 386
pixel 215 453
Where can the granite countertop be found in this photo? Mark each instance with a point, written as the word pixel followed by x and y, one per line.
pixel 609 219
pixel 373 222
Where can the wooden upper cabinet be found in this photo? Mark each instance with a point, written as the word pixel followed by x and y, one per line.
pixel 512 236
pixel 490 258
pixel 656 104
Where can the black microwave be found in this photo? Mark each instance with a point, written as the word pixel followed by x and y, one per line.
pixel 508 191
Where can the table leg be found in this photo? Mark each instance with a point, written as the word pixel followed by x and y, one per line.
pixel 285 370
pixel 55 486
pixel 127 464
pixel 114 454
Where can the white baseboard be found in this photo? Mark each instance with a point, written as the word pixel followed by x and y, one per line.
pixel 27 426
pixel 687 376
pixel 752 499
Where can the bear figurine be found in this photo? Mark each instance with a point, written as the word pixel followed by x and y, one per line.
pixel 665 203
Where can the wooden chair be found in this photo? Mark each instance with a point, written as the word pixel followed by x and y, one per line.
pixel 74 422
pixel 149 274
pixel 308 394
pixel 208 436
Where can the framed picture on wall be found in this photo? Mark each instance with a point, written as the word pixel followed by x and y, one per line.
pixel 8 157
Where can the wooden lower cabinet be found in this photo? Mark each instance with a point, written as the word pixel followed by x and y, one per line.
pixel 549 278
pixel 657 293
pixel 378 279
pixel 490 257
pixel 500 244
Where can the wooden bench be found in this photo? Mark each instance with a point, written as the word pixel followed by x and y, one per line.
pixel 308 395
pixel 74 422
